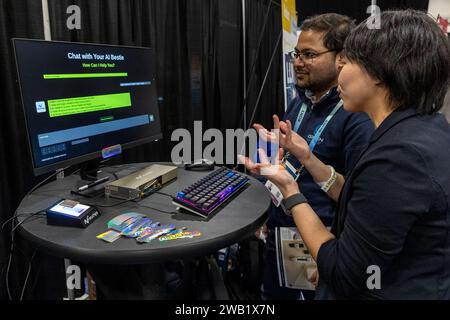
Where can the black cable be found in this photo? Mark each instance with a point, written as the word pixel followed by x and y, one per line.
pixel 18 249
pixel 115 175
pixel 28 274
pixel 160 210
pixel 134 201
pixel 255 59
pixel 164 194
pixel 30 216
pixel 13 227
pixel 152 191
pixel 111 205
pixel 12 218
pixel 7 272
pixel 130 200
pixel 75 172
pixel 36 276
pixel 265 78
pixel 44 181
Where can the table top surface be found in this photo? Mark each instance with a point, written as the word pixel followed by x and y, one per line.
pixel 231 223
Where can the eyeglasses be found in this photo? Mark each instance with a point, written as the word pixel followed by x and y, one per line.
pixel 308 56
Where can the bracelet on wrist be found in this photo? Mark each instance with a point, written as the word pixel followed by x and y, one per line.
pixel 326 185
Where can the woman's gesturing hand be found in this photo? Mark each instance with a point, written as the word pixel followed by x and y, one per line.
pixel 286 138
pixel 274 172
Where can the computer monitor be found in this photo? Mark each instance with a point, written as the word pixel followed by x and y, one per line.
pixel 80 99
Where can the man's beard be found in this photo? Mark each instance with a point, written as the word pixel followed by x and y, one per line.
pixel 320 84
pixel 315 86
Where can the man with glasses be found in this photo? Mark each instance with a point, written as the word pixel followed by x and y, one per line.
pixel 338 143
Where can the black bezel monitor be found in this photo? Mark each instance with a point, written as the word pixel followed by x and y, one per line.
pixel 81 98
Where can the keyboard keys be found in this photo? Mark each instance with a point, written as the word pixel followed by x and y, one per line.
pixel 206 194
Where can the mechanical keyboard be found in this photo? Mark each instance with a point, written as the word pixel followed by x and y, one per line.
pixel 207 194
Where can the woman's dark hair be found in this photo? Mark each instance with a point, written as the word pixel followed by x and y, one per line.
pixel 336 28
pixel 411 56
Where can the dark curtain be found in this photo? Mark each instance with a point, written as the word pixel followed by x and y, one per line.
pixel 198 45
pixel 356 9
pixel 17 19
pixel 272 98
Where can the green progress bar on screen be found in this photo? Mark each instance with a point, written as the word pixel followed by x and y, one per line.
pixel 84 75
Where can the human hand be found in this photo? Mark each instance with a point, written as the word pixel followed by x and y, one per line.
pixel 286 138
pixel 293 142
pixel 276 173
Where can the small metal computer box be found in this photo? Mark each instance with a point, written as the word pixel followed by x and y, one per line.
pixel 135 184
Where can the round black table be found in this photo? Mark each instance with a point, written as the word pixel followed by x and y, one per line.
pixel 232 223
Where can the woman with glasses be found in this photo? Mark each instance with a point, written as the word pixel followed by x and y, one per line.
pixel 391 234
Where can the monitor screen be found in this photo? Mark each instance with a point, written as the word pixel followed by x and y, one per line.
pixel 81 98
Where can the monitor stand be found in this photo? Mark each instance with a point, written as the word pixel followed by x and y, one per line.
pixel 89 173
pixel 89 170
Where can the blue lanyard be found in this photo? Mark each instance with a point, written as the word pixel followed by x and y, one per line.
pixel 301 115
pixel 316 138
pixel 317 135
pixel 319 132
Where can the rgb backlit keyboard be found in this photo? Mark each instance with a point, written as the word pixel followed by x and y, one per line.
pixel 207 194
